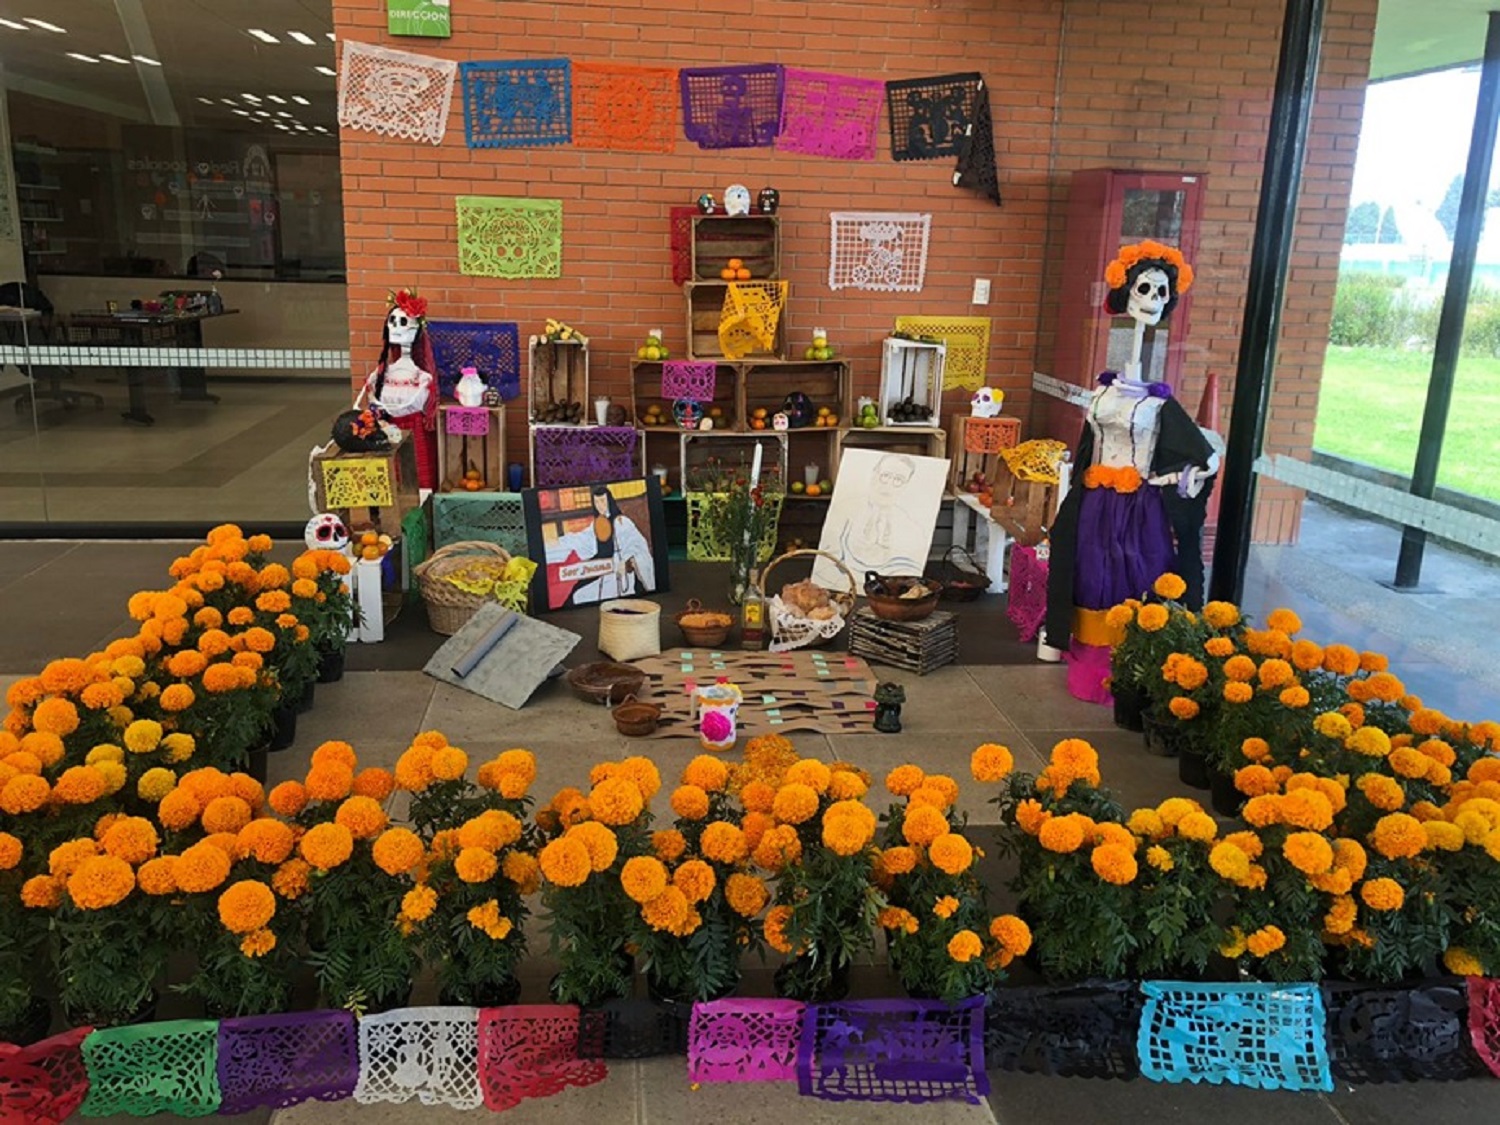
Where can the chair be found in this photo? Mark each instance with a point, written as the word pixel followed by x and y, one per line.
pixel 47 382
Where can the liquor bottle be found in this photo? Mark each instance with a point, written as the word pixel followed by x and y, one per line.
pixel 753 616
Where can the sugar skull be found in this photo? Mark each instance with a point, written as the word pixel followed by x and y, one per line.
pixel 768 200
pixel 326 532
pixel 986 402
pixel 1150 293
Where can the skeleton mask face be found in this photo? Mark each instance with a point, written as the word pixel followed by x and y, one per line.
pixel 401 327
pixel 326 533
pixel 1149 294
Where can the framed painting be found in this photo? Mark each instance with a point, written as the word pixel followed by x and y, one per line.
pixel 596 542
pixel 882 515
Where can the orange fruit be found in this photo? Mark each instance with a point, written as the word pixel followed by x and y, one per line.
pixel 814 490
pixel 369 539
pixel 473 474
pixel 742 274
pixel 760 412
pixel 727 274
pixel 369 553
pixel 757 423
pixel 736 263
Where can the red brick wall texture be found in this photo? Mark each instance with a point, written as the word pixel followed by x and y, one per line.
pixel 1181 87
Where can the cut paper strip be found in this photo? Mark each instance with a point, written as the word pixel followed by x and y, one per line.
pixel 168 1067
pixel 930 116
pixel 682 378
pixel 357 482
pixel 627 108
pixel 833 115
pixel 880 250
pixel 976 169
pixel 431 1054
pixel 280 1060
pixel 511 238
pixel 531 1051
pixel 493 348
pixel 472 421
pixel 743 1040
pixel 968 340
pixel 1085 1031
pixel 1484 1020
pixel 395 93
pixel 573 455
pixel 1407 1033
pixel 517 103
pixel 491 517
pixel 45 1082
pixel 682 243
pixel 731 106
pixel 1265 1036
pixel 893 1051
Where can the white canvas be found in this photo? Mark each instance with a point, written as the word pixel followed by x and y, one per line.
pixel 882 516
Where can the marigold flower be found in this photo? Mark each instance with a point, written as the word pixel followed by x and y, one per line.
pixel 46 747
pixel 1265 941
pixel 565 862
pixel 99 882
pixel 80 785
pixel 1119 616
pixel 1169 586
pixel 846 785
pixel 746 894
pixel 945 906
pixel 616 801
pixel 475 865
pixel 795 803
pixel 1284 620
pixel 964 946
pixel 1294 697
pixel 1183 708
pixel 757 796
pixel 1308 852
pixel 668 844
pixel 1462 963
pixel 291 879
pixel 1442 836
pixel 288 799
pixel 643 878
pixel 707 773
pixel 1383 894
pixel 258 944
pixel 418 903
pixel 55 716
pixel 1061 834
pixel 1306 808
pixel 991 762
pixel 10 851
pixel 601 843
pixel 778 848
pixel 809 772
pixel 1152 618
pixel 226 814
pixel 326 846
pixel 1235 692
pixel 1146 823
pixel 362 816
pixel 643 772
pixel 329 781
pixel 156 877
pixel 695 879
pixel 723 842
pixel 1114 864
pixel 668 911
pixel 131 838
pixel 245 906
pixel 690 802
pixel 522 869
pixel 265 840
pixel 24 793
pixel 1198 826
pixel 903 780
pixel 846 835
pixel 895 918
pixel 1229 862
pixel 64 859
pixel 1398 836
pixel 922 825
pixel 42 892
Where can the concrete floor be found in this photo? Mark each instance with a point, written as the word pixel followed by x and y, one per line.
pixel 65 598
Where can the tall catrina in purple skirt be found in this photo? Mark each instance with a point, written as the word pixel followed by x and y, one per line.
pixel 1142 474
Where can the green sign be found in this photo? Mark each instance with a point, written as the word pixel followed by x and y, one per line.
pixel 418 17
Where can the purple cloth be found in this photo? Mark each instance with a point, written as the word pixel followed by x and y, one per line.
pixel 279 1060
pixel 1124 545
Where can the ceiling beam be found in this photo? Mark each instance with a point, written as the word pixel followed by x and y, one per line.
pixel 153 78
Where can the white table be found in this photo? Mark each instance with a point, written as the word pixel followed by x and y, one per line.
pixel 990 540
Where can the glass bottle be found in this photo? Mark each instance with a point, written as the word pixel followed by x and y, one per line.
pixel 753 615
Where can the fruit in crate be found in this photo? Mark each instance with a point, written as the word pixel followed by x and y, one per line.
pixel 820 349
pixel 373 546
pixel 560 413
pixel 977 483
pixel 908 410
pixel 798 487
pixel 656 415
pixel 558 332
pixel 735 270
pixel 473 481
pixel 869 417
pixel 653 348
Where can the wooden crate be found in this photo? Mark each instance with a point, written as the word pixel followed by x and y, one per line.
pixel 975 444
pixel 754 239
pixel 368 491
pixel 911 368
pixel 918 646
pixel 735 453
pixel 458 452
pixel 766 384
pixel 913 440
pixel 558 378
pixel 704 301
pixel 1024 508
pixel 645 390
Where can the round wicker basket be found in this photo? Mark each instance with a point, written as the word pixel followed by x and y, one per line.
pixel 448 607
pixel 629 628
pixel 703 636
pixel 843 600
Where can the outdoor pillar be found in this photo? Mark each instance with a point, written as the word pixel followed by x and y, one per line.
pixel 1271 250
pixel 1450 332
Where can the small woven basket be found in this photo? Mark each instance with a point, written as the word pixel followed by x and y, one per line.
pixel 629 628
pixel 963 579
pixel 703 636
pixel 448 607
pixel 787 635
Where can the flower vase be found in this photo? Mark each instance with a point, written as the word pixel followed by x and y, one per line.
pixel 740 565
pixel 1129 706
pixel 330 665
pixel 718 716
pixel 1225 798
pixel 1192 767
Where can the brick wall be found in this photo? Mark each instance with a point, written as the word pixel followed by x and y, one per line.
pixel 1071 86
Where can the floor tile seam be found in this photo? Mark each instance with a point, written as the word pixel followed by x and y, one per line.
pixel 74 544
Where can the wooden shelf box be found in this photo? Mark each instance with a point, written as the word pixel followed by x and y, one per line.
pixel 735 454
pixel 767 383
pixel 470 438
pixel 558 381
pixel 975 444
pixel 754 239
pixel 911 369
pixel 368 491
pixel 645 391
pixel 704 301
pixel 912 440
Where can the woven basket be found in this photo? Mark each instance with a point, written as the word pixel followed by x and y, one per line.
pixel 963 579
pixel 786 635
pixel 629 628
pixel 448 607
pixel 703 636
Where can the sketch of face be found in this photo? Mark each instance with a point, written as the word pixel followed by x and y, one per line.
pixel 1148 296
pixel 892 472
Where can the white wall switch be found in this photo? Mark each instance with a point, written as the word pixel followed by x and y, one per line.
pixel 981 291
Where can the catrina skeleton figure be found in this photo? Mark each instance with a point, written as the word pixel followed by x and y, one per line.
pixel 402 388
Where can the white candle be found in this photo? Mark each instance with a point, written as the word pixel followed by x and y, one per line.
pixel 755 466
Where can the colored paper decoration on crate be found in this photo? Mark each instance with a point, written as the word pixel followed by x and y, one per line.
pixel 395 93
pixel 1265 1036
pixel 1410 1033
pixel 517 103
pixel 1484 1021
pixel 683 378
pixel 493 348
pixel 492 517
pixel 681 243
pixel 574 455
pixel 512 238
pixel 168 1067
pixel 731 106
pixel 968 340
pixel 833 115
pixel 470 421
pixel 1086 1031
pixel 751 313
pixel 976 170
pixel 1026 605
pixel 431 1054
pixel 357 482
pixel 532 1051
pixel 930 116
pixel 707 541
pixel 893 1051
pixel 880 250
pixel 280 1060
pixel 634 1029
pixel 45 1082
pixel 627 108
pixel 991 435
pixel 744 1040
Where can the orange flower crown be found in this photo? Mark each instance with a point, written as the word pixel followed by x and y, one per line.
pixel 1116 272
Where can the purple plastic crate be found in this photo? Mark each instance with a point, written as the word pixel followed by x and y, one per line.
pixel 279 1060
pixel 893 1051
pixel 574 455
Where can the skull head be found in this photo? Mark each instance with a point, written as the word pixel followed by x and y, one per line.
pixel 326 532
pixel 1148 297
pixel 401 327
pixel 986 402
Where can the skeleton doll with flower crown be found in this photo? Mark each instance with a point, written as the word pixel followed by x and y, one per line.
pixel 402 389
pixel 1141 474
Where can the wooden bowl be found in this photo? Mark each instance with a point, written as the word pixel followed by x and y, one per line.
pixel 606 681
pixel 704 636
pixel 636 719
pixel 884 595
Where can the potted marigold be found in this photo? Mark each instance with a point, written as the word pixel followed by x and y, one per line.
pixel 24 1012
pixel 322 601
pixel 1177 892
pixel 1147 634
pixel 589 915
pixel 820 844
pixel 696 902
pixel 434 773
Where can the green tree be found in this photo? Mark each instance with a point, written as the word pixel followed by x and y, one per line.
pixel 1388 232
pixel 1359 230
pixel 1447 210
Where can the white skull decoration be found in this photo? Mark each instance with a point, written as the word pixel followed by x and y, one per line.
pixel 1148 296
pixel 986 402
pixel 326 532
pixel 401 327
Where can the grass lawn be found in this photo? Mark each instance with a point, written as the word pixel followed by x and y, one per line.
pixel 1370 410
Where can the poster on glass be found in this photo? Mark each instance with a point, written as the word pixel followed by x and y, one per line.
pixel 596 542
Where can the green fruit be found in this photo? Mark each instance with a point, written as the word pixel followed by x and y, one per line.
pixel 810 353
pixel 869 422
pixel 826 485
